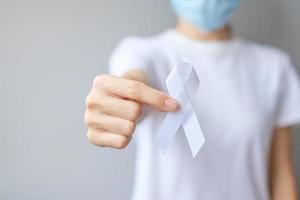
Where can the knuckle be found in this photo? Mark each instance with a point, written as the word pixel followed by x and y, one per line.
pixel 89 121
pixel 101 81
pixel 121 143
pixel 92 138
pixel 134 89
pixel 90 102
pixel 101 78
pixel 129 128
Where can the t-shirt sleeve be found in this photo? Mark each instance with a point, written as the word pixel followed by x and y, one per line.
pixel 129 55
pixel 288 112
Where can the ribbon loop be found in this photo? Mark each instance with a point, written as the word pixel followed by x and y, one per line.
pixel 182 84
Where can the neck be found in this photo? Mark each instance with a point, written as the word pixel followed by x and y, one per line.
pixel 193 32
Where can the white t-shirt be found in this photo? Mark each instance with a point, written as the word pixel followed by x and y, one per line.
pixel 246 90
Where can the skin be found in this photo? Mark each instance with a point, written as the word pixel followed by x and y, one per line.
pixel 282 178
pixel 114 104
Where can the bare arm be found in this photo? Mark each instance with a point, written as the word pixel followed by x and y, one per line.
pixel 282 178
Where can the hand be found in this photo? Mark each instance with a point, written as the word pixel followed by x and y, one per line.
pixel 113 106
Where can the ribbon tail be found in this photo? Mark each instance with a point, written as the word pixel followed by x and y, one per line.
pixel 192 129
pixel 168 130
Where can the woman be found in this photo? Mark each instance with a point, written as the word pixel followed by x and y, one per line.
pixel 247 104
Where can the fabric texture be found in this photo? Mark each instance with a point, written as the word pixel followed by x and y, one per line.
pixel 207 15
pixel 246 90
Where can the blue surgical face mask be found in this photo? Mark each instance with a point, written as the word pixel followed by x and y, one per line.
pixel 207 15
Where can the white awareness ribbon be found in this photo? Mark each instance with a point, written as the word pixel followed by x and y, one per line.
pixel 182 84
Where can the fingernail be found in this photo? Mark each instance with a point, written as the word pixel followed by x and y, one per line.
pixel 171 103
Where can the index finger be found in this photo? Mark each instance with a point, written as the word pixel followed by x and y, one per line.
pixel 141 93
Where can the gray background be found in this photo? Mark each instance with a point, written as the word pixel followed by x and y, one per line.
pixel 50 50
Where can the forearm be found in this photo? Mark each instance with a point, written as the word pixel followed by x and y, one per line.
pixel 282 178
pixel 283 186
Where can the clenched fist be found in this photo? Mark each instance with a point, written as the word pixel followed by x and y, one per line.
pixel 114 105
